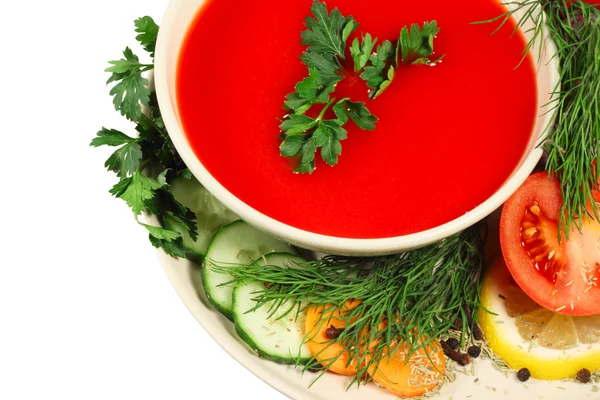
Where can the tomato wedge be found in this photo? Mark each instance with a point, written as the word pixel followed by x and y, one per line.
pixel 561 276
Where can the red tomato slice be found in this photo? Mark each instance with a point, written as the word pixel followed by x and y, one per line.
pixel 563 277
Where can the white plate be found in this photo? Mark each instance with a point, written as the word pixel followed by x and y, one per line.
pixel 478 381
pixel 491 384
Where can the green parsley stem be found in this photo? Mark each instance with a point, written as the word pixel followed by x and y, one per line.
pixel 324 110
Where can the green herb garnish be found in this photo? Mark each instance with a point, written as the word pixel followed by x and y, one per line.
pixel 326 37
pixel 420 294
pixel 380 72
pixel 417 44
pixel 131 88
pixel 304 135
pixel 361 51
pixel 573 143
pixel 147 162
pixel 327 32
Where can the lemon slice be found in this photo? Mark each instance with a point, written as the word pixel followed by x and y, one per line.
pixel 525 335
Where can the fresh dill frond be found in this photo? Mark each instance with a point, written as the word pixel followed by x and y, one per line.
pixel 531 14
pixel 406 299
pixel 573 142
pixel 573 147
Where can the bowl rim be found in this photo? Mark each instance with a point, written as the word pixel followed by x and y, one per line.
pixel 316 241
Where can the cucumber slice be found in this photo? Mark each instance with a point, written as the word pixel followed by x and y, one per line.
pixel 274 338
pixel 236 243
pixel 210 216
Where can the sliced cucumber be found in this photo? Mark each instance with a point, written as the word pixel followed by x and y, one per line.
pixel 210 216
pixel 236 243
pixel 274 337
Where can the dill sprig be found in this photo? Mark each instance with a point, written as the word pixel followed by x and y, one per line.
pixel 573 143
pixel 419 295
pixel 573 147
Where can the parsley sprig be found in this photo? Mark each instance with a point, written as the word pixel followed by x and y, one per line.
pixel 326 37
pixel 415 46
pixel 380 71
pixel 327 32
pixel 304 135
pixel 417 43
pixel 146 163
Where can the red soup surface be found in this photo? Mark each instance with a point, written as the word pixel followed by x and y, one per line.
pixel 448 135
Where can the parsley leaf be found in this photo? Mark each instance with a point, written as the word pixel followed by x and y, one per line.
pixel 361 52
pixel 136 190
pixel 174 248
pixel 157 147
pixel 357 111
pixel 299 138
pixel 417 44
pixel 110 137
pixel 293 144
pixel 391 72
pixel 327 136
pixel 163 203
pixel 349 28
pixel 377 74
pixel 168 240
pixel 327 32
pixel 317 87
pixel 161 233
pixel 413 47
pixel 328 65
pixel 310 91
pixel 125 160
pixel 148 33
pixel 310 87
pixel 307 151
pixel 304 135
pixel 131 91
pixel 297 124
pixel 296 103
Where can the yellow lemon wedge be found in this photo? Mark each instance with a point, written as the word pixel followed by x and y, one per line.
pixel 525 335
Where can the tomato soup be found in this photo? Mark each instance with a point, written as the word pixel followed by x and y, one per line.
pixel 448 135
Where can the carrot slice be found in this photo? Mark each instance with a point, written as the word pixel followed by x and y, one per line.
pixel 331 355
pixel 420 375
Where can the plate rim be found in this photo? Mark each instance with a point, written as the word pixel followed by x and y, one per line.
pixel 232 347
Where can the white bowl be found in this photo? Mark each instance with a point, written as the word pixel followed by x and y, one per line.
pixel 178 18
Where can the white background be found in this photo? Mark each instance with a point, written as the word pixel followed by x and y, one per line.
pixel 86 311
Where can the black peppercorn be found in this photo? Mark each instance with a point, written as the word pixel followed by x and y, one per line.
pixel 333 333
pixel 523 375
pixel 474 351
pixel 453 343
pixel 584 375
